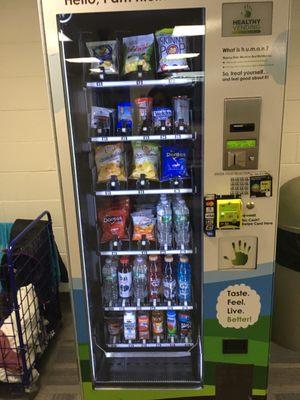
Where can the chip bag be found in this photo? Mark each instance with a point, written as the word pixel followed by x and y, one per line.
pixel 162 114
pixel 143 225
pixel 101 115
pixel 146 159
pixel 113 219
pixel 138 51
pixel 168 47
pixel 109 160
pixel 174 162
pixel 125 115
pixel 106 52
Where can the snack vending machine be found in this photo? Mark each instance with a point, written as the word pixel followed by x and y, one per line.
pixel 168 117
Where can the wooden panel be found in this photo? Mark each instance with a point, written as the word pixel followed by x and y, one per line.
pixel 19 21
pixel 29 186
pixel 12 210
pixel 59 235
pixel 22 126
pixel 293 83
pixel 65 260
pixel 289 148
pixel 28 156
pixel 291 117
pixel 294 42
pixel 21 60
pixel 288 172
pixel 23 94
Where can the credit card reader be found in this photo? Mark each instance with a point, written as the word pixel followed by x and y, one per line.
pixel 241 133
pixel 229 213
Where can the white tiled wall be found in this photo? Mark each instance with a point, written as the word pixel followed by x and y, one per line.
pixel 291 130
pixel 29 179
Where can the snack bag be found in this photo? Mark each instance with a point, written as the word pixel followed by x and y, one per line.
pixel 181 106
pixel 113 220
pixel 106 52
pixel 138 51
pixel 101 115
pixel 160 114
pixel 143 107
pixel 174 162
pixel 125 115
pixel 109 160
pixel 169 45
pixel 146 159
pixel 143 225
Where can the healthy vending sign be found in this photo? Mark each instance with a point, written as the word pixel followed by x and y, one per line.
pixel 247 18
pixel 238 307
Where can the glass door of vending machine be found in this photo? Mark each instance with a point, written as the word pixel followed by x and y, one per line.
pixel 134 86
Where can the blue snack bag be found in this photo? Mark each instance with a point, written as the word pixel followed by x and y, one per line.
pixel 174 162
pixel 125 115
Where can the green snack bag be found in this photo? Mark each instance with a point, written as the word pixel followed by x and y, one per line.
pixel 146 160
pixel 138 51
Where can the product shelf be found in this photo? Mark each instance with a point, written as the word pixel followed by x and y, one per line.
pixel 149 345
pixel 108 139
pixel 152 307
pixel 186 78
pixel 146 252
pixel 102 193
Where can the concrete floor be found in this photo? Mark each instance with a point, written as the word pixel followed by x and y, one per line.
pixel 59 373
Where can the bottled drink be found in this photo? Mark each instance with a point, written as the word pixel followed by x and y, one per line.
pixel 125 278
pixel 155 278
pixel 181 223
pixel 158 324
pixel 144 325
pixel 171 323
pixel 185 325
pixel 110 280
pixel 130 326
pixel 140 281
pixel 114 325
pixel 169 281
pixel 164 222
pixel 184 277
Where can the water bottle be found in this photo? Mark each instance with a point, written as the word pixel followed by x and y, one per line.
pixel 184 277
pixel 181 224
pixel 140 279
pixel 169 280
pixel 110 280
pixel 155 278
pixel 164 222
pixel 125 278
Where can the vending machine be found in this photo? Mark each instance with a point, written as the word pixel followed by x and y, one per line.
pixel 168 117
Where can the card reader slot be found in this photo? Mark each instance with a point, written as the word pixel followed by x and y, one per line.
pixel 248 127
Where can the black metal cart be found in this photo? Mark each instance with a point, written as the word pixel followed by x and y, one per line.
pixel 29 302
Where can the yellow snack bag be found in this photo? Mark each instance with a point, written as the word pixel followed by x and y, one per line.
pixel 109 160
pixel 145 160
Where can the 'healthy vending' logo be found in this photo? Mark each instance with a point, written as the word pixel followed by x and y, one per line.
pixel 247 23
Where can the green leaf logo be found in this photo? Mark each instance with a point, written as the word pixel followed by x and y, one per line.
pixel 247 11
pixel 241 254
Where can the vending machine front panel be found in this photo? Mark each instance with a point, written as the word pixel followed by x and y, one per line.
pixel 135 92
pixel 170 189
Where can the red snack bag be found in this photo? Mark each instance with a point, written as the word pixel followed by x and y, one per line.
pixel 113 221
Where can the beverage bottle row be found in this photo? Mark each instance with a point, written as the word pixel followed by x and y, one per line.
pixel 173 216
pixel 147 280
pixel 151 325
